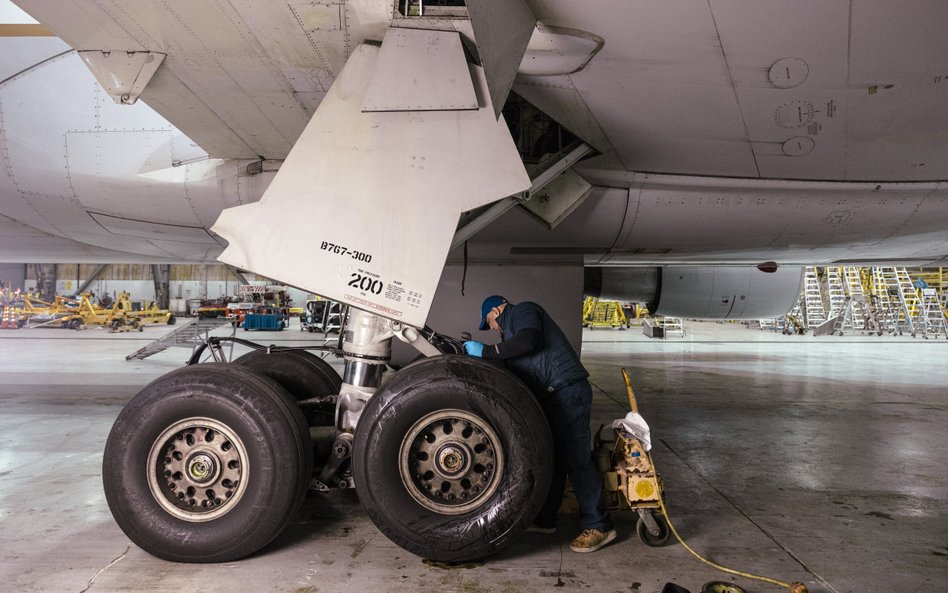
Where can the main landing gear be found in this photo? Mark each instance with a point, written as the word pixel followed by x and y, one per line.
pixel 450 456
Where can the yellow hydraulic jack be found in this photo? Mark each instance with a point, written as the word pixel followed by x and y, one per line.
pixel 630 480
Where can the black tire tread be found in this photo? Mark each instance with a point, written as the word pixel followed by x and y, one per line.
pixel 157 405
pixel 442 382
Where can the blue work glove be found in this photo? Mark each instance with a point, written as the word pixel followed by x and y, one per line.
pixel 475 349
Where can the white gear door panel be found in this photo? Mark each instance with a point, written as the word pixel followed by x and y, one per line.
pixel 364 208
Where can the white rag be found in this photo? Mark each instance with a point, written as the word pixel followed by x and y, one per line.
pixel 634 424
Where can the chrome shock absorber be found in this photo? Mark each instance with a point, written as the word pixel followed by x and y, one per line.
pixel 367 348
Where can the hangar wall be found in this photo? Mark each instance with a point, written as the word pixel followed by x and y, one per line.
pixel 187 281
pixel 12 276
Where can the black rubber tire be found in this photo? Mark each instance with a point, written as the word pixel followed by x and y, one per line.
pixel 259 412
pixel 302 374
pixel 172 319
pixel 654 541
pixel 493 396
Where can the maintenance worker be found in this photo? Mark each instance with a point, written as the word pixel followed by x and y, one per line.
pixel 535 349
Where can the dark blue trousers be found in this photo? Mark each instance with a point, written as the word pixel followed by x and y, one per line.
pixel 567 411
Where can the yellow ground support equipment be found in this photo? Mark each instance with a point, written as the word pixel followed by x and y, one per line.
pixel 630 480
pixel 149 314
pixel 78 312
pixel 598 313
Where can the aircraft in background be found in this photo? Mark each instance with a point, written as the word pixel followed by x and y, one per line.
pixel 677 149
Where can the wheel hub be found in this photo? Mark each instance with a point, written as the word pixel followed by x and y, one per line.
pixel 197 469
pixel 202 467
pixel 451 461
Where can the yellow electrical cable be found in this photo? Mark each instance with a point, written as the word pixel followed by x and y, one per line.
pixel 795 587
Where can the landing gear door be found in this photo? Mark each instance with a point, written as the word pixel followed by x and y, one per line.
pixel 365 206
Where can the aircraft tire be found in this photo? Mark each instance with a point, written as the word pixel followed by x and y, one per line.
pixel 302 374
pixel 246 481
pixel 452 458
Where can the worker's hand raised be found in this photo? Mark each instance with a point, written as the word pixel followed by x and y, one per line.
pixel 474 348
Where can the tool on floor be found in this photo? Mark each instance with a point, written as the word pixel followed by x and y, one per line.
pixel 711 587
pixel 644 473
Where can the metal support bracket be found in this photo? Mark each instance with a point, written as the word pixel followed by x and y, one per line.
pixel 123 74
pixel 500 207
pixel 410 336
pixel 648 518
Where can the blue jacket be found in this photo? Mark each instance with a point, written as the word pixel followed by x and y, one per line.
pixel 551 363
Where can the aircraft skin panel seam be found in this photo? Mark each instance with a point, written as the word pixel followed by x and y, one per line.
pixel 854 182
pixel 737 98
pixel 26 224
pixel 312 42
pixel 849 69
pixel 159 248
pixel 592 116
pixel 75 196
pixel 905 223
pixel 186 187
pixel 219 110
pixel 273 70
pixel 224 114
pixel 624 232
pixel 635 218
pixel 194 96
pixel 36 65
pixel 25 197
pixel 23 194
pixel 94 214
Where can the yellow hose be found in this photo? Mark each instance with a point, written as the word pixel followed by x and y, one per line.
pixel 795 587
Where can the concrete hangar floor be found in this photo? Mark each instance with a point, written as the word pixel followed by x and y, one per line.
pixel 813 459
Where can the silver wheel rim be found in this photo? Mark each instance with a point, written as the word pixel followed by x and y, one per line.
pixel 451 462
pixel 198 469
